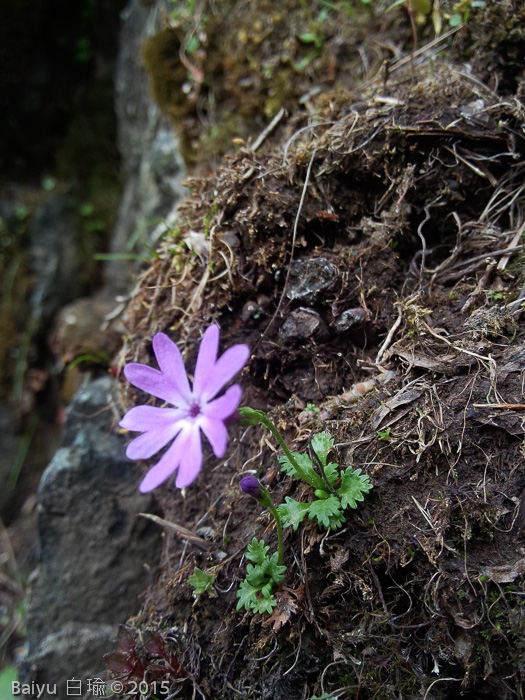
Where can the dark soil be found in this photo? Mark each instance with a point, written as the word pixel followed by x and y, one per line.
pixel 391 299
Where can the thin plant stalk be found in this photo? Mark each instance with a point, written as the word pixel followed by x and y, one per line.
pixel 317 484
pixel 279 528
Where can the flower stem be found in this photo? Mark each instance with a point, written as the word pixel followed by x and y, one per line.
pixel 279 528
pixel 316 484
pixel 264 499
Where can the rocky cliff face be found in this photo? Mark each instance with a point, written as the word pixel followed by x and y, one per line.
pixel 152 165
pixel 94 550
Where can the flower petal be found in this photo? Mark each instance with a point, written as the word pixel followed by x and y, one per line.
pixel 216 433
pixel 142 418
pixel 146 445
pixel 206 358
pixel 226 367
pixel 154 382
pixel 225 406
pixel 164 468
pixel 184 454
pixel 171 364
pixel 191 457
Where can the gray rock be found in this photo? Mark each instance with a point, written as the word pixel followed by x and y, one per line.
pixel 94 549
pixel 301 324
pixel 309 277
pixel 356 324
pixel 55 257
pixel 350 319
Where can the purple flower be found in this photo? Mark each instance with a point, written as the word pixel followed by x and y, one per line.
pixel 195 409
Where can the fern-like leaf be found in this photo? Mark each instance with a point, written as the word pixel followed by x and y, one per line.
pixel 257 551
pixel 324 509
pixel 247 595
pixel 353 485
pixel 292 512
pixel 303 461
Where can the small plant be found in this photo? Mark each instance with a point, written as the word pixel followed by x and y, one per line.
pixel 336 490
pixel 313 408
pixel 462 11
pixel 384 434
pixel 201 582
pixel 494 295
pixel 196 408
pixel 256 591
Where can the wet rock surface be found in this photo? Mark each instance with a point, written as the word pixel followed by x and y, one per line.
pixel 350 319
pixel 308 278
pixel 94 550
pixel 355 323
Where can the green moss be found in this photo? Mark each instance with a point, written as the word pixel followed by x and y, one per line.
pixel 245 62
pixel 167 74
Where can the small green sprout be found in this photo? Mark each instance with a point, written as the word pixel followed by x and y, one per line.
pixel 100 358
pixel 201 582
pixel 384 434
pixel 313 408
pixel 494 295
pixel 256 591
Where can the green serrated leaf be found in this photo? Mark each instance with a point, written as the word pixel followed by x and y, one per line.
pixel 353 485
pixel 332 472
pixel 337 520
pixel 201 581
pixel 276 571
pixel 303 461
pixel 292 512
pixel 266 590
pixel 264 605
pixel 256 591
pixel 256 575
pixel 325 509
pixel 247 596
pixel 322 443
pixel 248 599
pixel 257 551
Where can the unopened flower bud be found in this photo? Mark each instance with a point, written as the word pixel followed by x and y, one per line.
pixel 251 486
pixel 249 416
